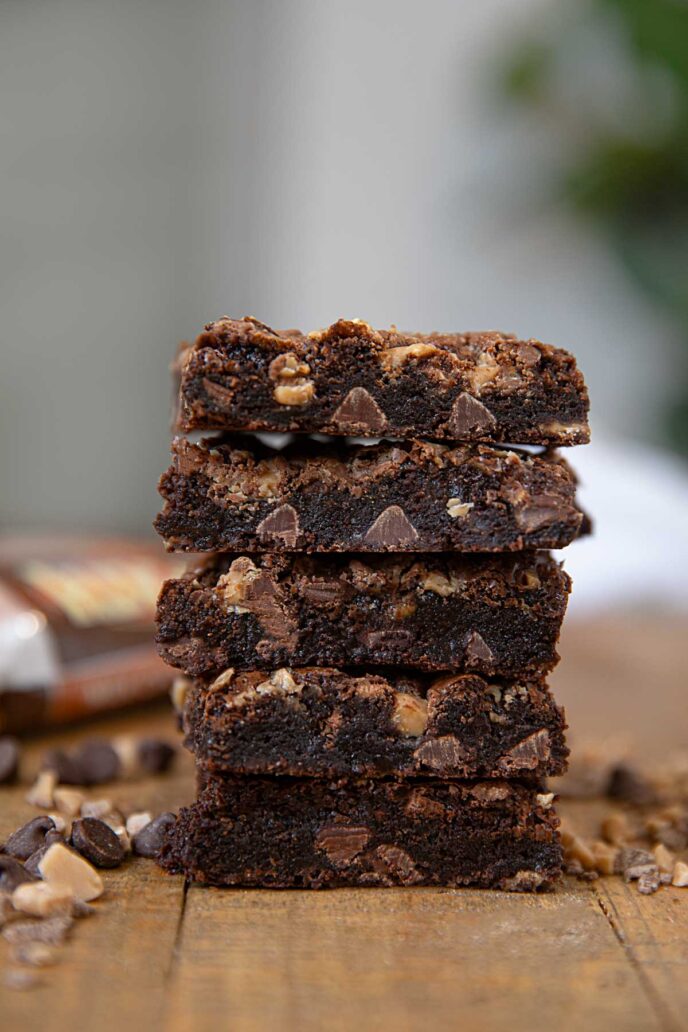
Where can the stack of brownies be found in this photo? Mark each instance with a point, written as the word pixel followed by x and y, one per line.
pixel 367 642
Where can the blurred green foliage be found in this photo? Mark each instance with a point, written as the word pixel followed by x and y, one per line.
pixel 611 79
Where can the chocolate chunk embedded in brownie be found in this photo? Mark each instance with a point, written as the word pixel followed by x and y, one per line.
pixel 310 833
pixel 236 494
pixel 319 722
pixel 495 615
pixel 351 379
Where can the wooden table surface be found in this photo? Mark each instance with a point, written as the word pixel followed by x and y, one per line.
pixel 590 956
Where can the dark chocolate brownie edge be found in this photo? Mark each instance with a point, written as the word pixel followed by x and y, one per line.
pixel 285 833
pixel 498 616
pixel 320 723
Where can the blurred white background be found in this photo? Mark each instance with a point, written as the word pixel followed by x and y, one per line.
pixel 164 162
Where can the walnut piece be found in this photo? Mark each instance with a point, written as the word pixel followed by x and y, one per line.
pixel 296 394
pixel 223 681
pixel 286 367
pixel 235 582
pixel 410 714
pixel 280 682
pixel 441 585
pixel 393 358
pixel 456 507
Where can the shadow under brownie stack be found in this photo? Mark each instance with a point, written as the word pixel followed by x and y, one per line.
pixel 366 644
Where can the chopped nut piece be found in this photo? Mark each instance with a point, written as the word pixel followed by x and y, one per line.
pixel 393 358
pixel 485 371
pixel 68 801
pixel 51 930
pixel 545 799
pixel 41 792
pixel 456 507
pixel 99 808
pixel 223 681
pixel 679 878
pixel 126 748
pixel 649 881
pixel 287 366
pixel 60 867
pixel 137 821
pixel 37 954
pixel 178 693
pixel 605 857
pixel 665 859
pixel 578 850
pixel 441 585
pixel 41 899
pixel 20 978
pixel 280 682
pixel 615 829
pixel 410 714
pixel 294 393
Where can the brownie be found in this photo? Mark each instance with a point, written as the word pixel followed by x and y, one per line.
pixel 312 833
pixel 351 379
pixel 320 722
pixel 238 494
pixel 495 615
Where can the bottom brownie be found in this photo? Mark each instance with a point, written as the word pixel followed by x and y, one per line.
pixel 309 833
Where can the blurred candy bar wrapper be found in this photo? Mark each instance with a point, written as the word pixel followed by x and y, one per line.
pixel 77 626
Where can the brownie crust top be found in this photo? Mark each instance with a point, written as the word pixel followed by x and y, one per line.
pixel 351 379
pixel 235 493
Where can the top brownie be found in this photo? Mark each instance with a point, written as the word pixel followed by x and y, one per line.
pixel 353 380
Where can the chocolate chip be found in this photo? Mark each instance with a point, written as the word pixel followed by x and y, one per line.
pixel 390 639
pixel 323 593
pixel 155 755
pixel 98 761
pixel 30 837
pixel 629 786
pixel 477 650
pixel 398 864
pixel 31 865
pixel 281 523
pixel 66 768
pixel 9 760
pixel 391 529
pixel 359 412
pixel 342 842
pixel 150 840
pixel 97 842
pixel 527 754
pixel 12 873
pixel 442 754
pixel 469 414
pixel 528 353
pixel 544 510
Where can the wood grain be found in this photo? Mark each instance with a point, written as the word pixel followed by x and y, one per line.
pixel 590 956
pixel 406 959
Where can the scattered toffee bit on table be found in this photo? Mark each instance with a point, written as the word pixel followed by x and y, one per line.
pixel 41 898
pixel 646 829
